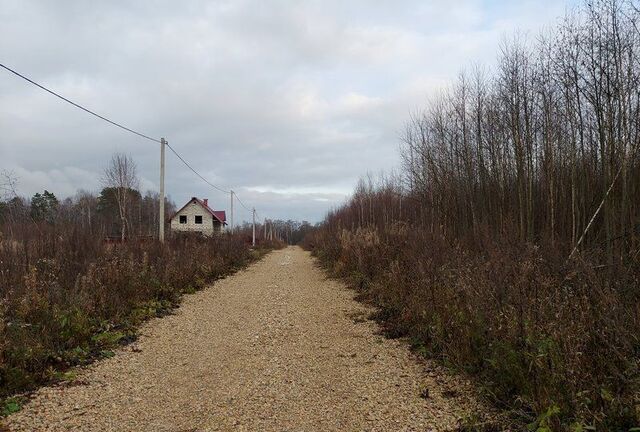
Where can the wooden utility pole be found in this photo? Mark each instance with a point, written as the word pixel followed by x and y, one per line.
pixel 231 212
pixel 254 226
pixel 163 143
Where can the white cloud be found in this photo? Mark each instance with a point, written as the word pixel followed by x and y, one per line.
pixel 354 102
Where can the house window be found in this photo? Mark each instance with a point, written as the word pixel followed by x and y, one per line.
pixel 198 219
pixel 183 219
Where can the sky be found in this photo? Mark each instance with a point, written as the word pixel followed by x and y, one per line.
pixel 288 103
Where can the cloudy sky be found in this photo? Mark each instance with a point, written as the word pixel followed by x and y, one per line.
pixel 286 102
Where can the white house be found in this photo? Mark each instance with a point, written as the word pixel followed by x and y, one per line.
pixel 196 216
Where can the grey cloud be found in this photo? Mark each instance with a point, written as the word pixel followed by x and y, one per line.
pixel 261 97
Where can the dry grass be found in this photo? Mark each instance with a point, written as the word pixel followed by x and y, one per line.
pixel 556 342
pixel 66 297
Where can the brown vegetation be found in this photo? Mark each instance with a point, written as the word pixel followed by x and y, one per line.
pixel 78 276
pixel 68 297
pixel 509 246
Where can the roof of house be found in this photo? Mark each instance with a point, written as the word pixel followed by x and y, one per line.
pixel 220 215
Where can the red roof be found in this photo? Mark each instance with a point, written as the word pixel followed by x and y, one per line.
pixel 220 215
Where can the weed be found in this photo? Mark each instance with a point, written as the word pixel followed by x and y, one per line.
pixel 67 298
pixel 10 406
pixel 555 342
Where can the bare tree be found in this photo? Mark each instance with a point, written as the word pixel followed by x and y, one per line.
pixel 85 208
pixel 538 144
pixel 7 185
pixel 121 175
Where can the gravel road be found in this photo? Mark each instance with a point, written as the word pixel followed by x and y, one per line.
pixel 275 347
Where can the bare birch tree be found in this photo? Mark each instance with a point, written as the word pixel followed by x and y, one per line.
pixel 121 175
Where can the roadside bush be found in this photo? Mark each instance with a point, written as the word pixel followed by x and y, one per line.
pixel 556 341
pixel 67 297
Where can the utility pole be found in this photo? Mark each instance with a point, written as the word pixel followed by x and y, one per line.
pixel 254 226
pixel 163 143
pixel 231 212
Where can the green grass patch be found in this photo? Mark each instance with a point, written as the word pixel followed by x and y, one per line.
pixel 11 405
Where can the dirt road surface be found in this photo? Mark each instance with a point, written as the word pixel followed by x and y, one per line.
pixel 276 347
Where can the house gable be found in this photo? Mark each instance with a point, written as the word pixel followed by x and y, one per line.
pixel 220 215
pixel 196 216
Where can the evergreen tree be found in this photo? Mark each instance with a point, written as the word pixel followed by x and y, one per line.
pixel 44 206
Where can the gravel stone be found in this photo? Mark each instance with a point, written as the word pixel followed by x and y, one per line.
pixel 275 347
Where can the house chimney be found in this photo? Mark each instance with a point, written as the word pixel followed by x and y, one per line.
pixel 206 202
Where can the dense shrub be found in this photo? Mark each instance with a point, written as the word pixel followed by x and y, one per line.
pixel 557 341
pixel 67 296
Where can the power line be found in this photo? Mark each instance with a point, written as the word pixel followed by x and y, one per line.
pixel 241 203
pixel 196 172
pixel 78 105
pixel 124 128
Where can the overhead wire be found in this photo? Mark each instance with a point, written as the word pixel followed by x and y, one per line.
pixel 78 105
pixel 241 203
pixel 121 126
pixel 196 172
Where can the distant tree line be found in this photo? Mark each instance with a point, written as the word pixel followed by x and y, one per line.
pixel 289 231
pixel 118 210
